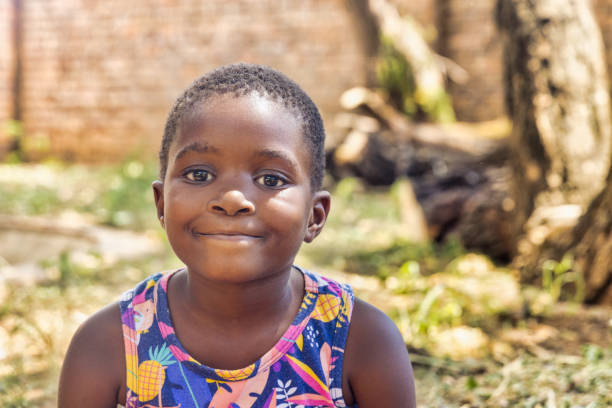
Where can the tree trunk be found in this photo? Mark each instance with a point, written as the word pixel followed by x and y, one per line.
pixel 557 98
pixel 592 247
pixel 590 244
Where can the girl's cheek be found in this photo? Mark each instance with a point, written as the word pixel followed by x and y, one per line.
pixel 281 207
pixel 183 198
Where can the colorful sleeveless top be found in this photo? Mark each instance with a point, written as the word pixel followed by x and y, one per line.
pixel 303 369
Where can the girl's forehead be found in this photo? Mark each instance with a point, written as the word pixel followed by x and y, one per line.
pixel 252 105
pixel 241 119
pixel 251 110
pixel 253 101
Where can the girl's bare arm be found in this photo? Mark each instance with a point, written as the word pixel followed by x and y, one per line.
pixel 94 367
pixel 376 361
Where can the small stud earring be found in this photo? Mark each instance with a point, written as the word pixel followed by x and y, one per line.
pixel 161 217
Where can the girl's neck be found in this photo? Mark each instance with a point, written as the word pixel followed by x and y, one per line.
pixel 239 304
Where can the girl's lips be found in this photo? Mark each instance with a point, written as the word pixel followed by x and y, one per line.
pixel 229 236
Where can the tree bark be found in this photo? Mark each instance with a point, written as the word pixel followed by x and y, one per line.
pixel 556 94
pixel 590 244
pixel 557 98
pixel 592 247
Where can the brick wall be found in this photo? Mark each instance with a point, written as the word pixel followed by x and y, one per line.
pixel 100 75
pixel 468 36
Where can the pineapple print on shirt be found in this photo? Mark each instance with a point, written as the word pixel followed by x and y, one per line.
pixel 152 374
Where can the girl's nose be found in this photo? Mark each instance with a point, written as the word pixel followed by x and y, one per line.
pixel 232 203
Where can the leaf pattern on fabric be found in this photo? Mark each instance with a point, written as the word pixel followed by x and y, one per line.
pixel 242 393
pixel 271 401
pixel 325 354
pixel 164 329
pixel 308 376
pixel 300 342
pixel 311 400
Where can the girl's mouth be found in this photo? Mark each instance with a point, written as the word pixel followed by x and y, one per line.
pixel 232 236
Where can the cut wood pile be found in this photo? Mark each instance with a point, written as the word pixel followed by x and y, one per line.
pixel 459 178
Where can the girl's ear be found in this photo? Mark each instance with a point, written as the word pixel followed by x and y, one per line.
pixel 318 214
pixel 158 193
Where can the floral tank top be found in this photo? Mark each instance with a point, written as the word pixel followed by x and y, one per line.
pixel 303 369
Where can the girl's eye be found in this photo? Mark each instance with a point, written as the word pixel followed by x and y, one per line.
pixel 198 175
pixel 270 180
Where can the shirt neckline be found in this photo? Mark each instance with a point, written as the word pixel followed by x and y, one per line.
pixel 280 348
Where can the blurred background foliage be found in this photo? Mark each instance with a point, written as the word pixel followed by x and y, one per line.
pixel 396 77
pixel 115 195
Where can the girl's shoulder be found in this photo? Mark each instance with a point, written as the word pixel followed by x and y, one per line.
pixel 376 362
pixel 97 348
pixel 93 369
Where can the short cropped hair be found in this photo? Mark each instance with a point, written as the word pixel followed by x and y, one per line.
pixel 244 79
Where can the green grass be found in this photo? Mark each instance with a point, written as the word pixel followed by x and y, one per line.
pixel 117 195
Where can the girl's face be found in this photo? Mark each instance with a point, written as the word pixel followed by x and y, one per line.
pixel 236 200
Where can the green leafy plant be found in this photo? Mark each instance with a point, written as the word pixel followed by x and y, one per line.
pixel 117 195
pixel 387 261
pixel 396 76
pixel 555 275
pixel 14 130
pixel 593 353
pixel 129 200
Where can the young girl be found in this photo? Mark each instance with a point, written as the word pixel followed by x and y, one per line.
pixel 240 325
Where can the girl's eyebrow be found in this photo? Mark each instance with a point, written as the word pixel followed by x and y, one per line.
pixel 198 147
pixel 277 154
